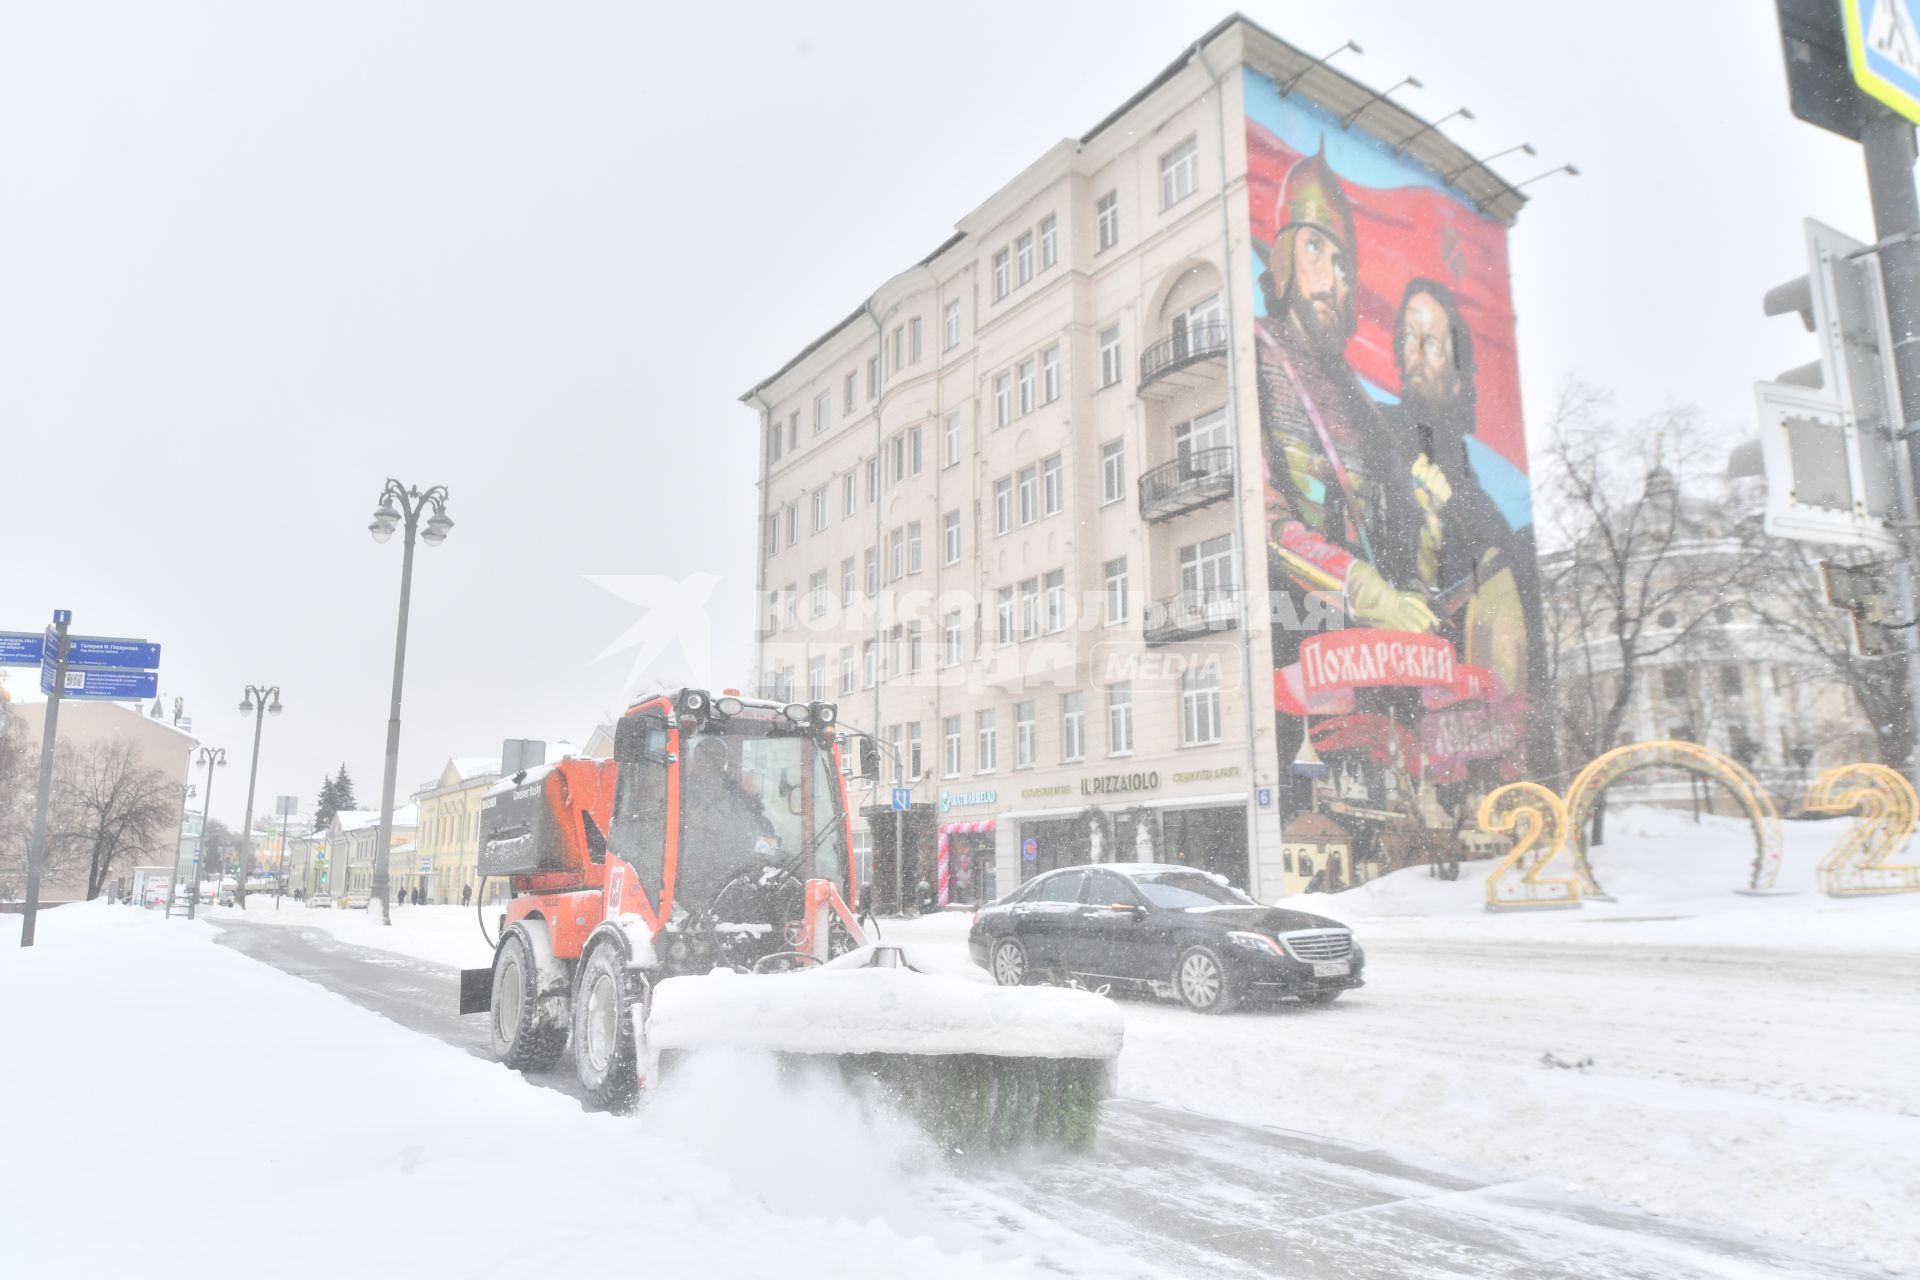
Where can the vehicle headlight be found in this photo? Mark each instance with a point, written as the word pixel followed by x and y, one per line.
pixel 1255 942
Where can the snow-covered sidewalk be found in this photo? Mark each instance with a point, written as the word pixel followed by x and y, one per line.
pixel 150 1076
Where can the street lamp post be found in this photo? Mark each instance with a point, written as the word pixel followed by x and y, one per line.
pixel 398 505
pixel 254 700
pixel 209 756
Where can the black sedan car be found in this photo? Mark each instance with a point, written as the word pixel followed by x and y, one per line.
pixel 1172 930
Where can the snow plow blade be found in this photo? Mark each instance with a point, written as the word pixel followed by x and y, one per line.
pixel 979 1068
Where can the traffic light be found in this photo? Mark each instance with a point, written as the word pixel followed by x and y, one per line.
pixel 1826 432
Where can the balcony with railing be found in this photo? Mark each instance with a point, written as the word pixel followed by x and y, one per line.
pixel 1187 358
pixel 1192 614
pixel 1195 479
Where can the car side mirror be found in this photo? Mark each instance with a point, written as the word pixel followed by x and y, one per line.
pixel 1133 909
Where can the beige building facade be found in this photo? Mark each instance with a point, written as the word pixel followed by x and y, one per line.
pixel 449 826
pixel 1005 507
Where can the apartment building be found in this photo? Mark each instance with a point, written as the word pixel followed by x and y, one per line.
pixel 449 826
pixel 1006 504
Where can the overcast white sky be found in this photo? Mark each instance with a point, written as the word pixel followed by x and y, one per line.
pixel 259 257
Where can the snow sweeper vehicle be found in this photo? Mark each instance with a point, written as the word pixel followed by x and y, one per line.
pixel 696 892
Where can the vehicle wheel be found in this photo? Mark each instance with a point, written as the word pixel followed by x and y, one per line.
pixel 604 1052
pixel 1009 963
pixel 1320 997
pixel 528 1029
pixel 1201 979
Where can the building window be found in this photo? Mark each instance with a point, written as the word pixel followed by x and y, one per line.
pixel 896 554
pixel 1023 735
pixel 1120 718
pixel 914 763
pixel 1673 682
pixel 915 436
pixel 1179 173
pixel 950 730
pixel 873 377
pixel 1208 431
pixel 913 340
pixel 1003 615
pixel 1113 471
pixel 793 523
pixel 1110 355
pixel 817 595
pixel 1029 608
pixel 896 654
pixel 820 509
pixel 916 650
pixel 873 479
pixel 793 430
pixel 1003 505
pixel 773 536
pixel 986 723
pixel 1053 485
pixel 873 571
pixel 1050 374
pixel 1054 601
pixel 1002 273
pixel 1073 726
pixel 950 639
pixel 950 538
pixel 822 406
pixel 773 611
pixel 1002 400
pixel 817 678
pixel 1106 221
pixel 1207 567
pixel 1023 258
pixel 1027 386
pixel 849 583
pixel 950 327
pixel 951 433
pixel 870 663
pixel 851 390
pixel 846 670
pixel 899 444
pixel 1029 495
pixel 777 438
pixel 791 610
pixel 1049 242
pixel 1668 618
pixel 1730 683
pixel 899 347
pixel 1116 578
pixel 1200 705
pixel 913 546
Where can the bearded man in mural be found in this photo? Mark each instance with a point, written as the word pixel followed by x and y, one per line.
pixel 1342 517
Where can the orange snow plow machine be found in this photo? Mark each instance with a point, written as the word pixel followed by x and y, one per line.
pixel 696 892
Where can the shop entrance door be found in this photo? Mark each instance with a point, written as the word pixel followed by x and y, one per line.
pixel 1211 839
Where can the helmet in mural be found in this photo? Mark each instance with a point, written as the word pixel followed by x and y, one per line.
pixel 1310 196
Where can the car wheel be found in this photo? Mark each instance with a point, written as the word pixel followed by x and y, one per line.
pixel 1200 978
pixel 528 1029
pixel 1320 997
pixel 1009 963
pixel 603 1040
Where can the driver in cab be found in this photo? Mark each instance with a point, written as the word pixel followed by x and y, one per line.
pixel 729 830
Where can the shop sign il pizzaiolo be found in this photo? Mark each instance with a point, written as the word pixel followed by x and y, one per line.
pixel 1113 784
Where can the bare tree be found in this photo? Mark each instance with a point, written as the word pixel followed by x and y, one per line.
pixel 1635 568
pixel 16 810
pixel 106 809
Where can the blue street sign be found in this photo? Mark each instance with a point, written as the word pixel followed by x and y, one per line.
pixel 18 649
pixel 1266 796
pixel 108 651
pixel 902 798
pixel 1030 849
pixel 105 683
pixel 62 617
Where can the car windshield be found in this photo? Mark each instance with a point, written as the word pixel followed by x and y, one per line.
pixel 1184 890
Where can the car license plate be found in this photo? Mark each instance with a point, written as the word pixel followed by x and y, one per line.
pixel 1331 968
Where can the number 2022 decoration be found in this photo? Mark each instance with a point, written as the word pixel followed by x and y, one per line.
pixel 1520 880
pixel 1887 809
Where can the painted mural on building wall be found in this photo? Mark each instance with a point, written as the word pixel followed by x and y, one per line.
pixel 1396 472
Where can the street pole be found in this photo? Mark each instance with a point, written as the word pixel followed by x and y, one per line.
pixel 280 872
pixel 410 504
pixel 256 702
pixel 37 851
pixel 1887 140
pixel 209 758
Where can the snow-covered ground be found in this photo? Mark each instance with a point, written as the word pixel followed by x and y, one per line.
pixel 1752 1058
pixel 1755 1060
pixel 176 1109
pixel 444 935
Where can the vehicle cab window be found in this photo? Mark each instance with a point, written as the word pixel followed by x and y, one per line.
pixel 640 797
pixel 1108 889
pixel 1061 887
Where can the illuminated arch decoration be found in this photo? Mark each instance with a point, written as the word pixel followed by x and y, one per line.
pixel 1520 881
pixel 1887 809
pixel 1609 768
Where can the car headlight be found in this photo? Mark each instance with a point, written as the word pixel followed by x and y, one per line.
pixel 1255 942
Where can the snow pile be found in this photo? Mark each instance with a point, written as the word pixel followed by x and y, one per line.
pixel 880 1010
pixel 443 935
pixel 157 1064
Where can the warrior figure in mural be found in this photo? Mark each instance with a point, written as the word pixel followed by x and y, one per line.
pixel 1466 556
pixel 1341 514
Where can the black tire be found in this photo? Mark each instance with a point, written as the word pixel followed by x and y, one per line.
pixel 605 1056
pixel 1008 963
pixel 1321 997
pixel 1201 981
pixel 528 1030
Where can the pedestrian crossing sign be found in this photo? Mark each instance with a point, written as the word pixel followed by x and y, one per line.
pixel 1883 48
